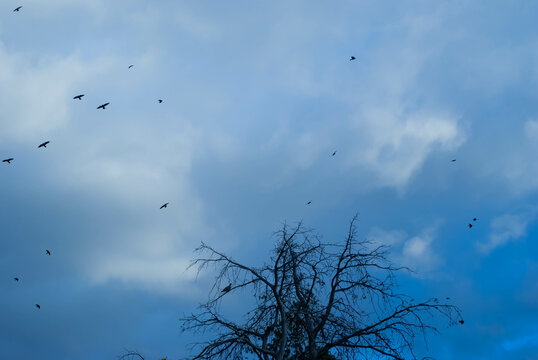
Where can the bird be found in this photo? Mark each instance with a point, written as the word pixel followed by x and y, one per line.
pixel 164 205
pixel 447 298
pixel 334 153
pixel 352 58
pixel 43 144
pixel 130 66
pixel 470 226
pixel 227 288
pixel 8 160
pixel 461 322
pixel 16 278
pixel 453 160
pixel 474 219
pixel 17 9
pixel 103 106
pixel 160 101
pixel 38 306
pixel 47 252
pixel 308 203
pixel 79 97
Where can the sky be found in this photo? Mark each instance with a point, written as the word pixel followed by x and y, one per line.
pixel 256 97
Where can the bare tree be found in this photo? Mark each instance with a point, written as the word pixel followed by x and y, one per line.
pixel 131 355
pixel 313 300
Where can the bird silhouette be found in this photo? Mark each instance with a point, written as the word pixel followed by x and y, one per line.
pixel 453 160
pixel 103 106
pixel 160 101
pixel 470 226
pixel 130 66
pixel 447 298
pixel 8 160
pixel 334 153
pixel 474 219
pixel 461 322
pixel 47 252
pixel 43 144
pixel 308 203
pixel 79 97
pixel 164 205
pixel 352 58
pixel 227 288
pixel 16 278
pixel 38 306
pixel 17 9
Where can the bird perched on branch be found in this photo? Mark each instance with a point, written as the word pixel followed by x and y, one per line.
pixel 227 288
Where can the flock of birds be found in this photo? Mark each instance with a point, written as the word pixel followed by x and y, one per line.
pixel 44 145
pixel 165 205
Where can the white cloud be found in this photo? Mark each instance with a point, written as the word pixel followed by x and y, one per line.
pixel 415 252
pixel 531 129
pixel 34 101
pixel 394 146
pixel 504 229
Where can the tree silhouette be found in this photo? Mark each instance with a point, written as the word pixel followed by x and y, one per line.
pixel 313 300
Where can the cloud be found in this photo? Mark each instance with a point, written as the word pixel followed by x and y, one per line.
pixel 525 341
pixel 34 103
pixel 504 229
pixel 415 252
pixel 394 145
pixel 531 129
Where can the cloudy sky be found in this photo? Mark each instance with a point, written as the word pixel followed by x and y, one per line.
pixel 257 96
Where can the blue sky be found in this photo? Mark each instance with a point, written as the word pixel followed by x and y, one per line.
pixel 257 95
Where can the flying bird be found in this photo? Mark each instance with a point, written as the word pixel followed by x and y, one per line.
pixel 160 101
pixel 453 160
pixel 227 288
pixel 8 160
pixel 164 205
pixel 308 203
pixel 103 106
pixel 79 97
pixel 17 9
pixel 447 298
pixel 38 306
pixel 474 219
pixel 461 322
pixel 16 278
pixel 352 58
pixel 334 153
pixel 43 144
pixel 47 252
pixel 470 226
pixel 130 66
